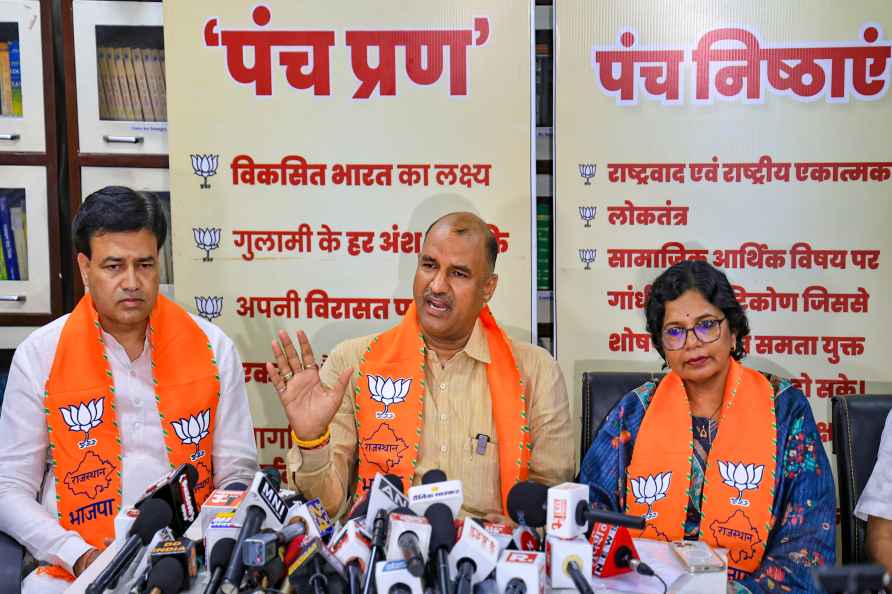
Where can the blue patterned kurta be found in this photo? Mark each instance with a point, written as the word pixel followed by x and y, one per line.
pixel 804 533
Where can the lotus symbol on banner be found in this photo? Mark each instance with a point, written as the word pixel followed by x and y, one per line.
pixel 587 256
pixel 650 489
pixel 207 239
pixel 204 166
pixel 587 171
pixel 743 477
pixel 193 430
pixel 587 213
pixel 209 307
pixel 84 418
pixel 388 392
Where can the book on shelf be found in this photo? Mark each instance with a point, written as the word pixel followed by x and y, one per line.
pixel 8 240
pixel 19 221
pixel 131 84
pixel 15 76
pixel 142 84
pixel 5 80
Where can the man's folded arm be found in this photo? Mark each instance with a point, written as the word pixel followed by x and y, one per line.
pixel 22 465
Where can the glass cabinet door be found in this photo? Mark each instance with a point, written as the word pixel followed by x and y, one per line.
pixel 121 89
pixel 24 241
pixel 22 126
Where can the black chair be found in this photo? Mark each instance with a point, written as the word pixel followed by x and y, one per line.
pixel 858 423
pixel 601 390
pixel 11 560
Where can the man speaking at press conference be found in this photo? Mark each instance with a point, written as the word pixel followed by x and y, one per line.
pixel 445 388
pixel 104 401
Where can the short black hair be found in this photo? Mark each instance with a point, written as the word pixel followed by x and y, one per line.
pixel 711 283
pixel 115 209
pixel 490 243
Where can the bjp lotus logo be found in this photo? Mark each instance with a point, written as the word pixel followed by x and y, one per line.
pixel 84 418
pixel 207 239
pixel 388 392
pixel 650 489
pixel 204 166
pixel 209 307
pixel 587 213
pixel 193 430
pixel 587 172
pixel 587 256
pixel 743 477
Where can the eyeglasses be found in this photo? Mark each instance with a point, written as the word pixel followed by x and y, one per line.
pixel 675 337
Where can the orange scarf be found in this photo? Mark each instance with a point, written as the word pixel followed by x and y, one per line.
pixel 738 486
pixel 392 374
pixel 82 421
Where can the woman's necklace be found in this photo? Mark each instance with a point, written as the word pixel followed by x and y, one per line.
pixel 704 427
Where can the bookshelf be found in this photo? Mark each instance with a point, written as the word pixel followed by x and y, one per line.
pixel 30 283
pixel 115 104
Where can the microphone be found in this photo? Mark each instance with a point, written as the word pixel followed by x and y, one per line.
pixel 520 572
pixel 181 550
pixel 524 538
pixel 861 577
pixel 220 501
pixel 379 533
pixel 262 507
pixel 408 539
pixel 166 577
pixel 569 563
pixel 385 493
pixel 527 503
pixel 473 557
pixel 313 517
pixel 154 514
pixel 612 550
pixel 217 561
pixel 177 489
pixel 442 539
pixel 361 507
pixel 352 547
pixel 394 577
pixel 562 519
pixel 268 575
pixel 434 488
pixel 569 512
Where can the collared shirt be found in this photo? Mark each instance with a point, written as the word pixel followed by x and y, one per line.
pixel 28 510
pixel 457 407
pixel 876 499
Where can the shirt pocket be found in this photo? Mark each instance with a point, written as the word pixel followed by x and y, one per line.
pixel 481 477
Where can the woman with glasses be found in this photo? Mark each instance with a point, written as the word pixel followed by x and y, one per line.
pixel 716 451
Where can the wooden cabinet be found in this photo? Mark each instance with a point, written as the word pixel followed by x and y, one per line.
pixel 30 285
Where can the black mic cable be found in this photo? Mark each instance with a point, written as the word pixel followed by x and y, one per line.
pixel 583 585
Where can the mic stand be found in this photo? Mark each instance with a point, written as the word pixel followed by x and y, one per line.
pixel 379 533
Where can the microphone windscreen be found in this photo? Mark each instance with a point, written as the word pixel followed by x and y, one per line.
pixel 442 529
pixel 154 514
pixel 527 503
pixel 274 477
pixel 221 553
pixel 434 475
pixel 167 575
pixel 396 481
pixel 192 474
pixel 236 486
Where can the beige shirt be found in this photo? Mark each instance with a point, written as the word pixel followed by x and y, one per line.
pixel 457 407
